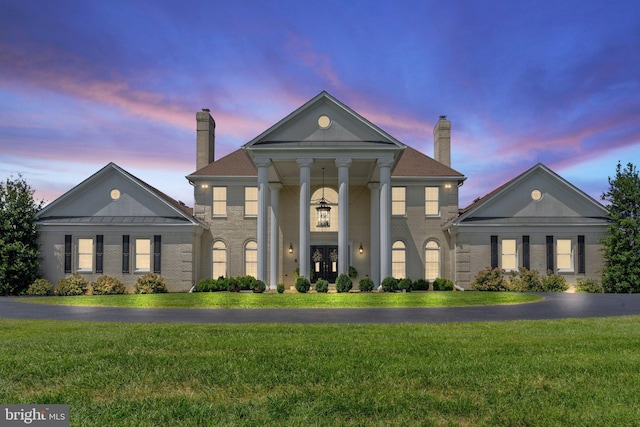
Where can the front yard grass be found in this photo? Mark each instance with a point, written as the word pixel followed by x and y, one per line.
pixel 274 300
pixel 558 372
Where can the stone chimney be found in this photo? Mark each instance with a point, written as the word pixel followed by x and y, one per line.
pixel 442 141
pixel 206 138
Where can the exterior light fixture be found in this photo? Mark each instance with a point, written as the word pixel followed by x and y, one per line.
pixel 290 248
pixel 323 209
pixel 361 249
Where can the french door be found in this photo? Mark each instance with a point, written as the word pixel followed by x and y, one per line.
pixel 324 263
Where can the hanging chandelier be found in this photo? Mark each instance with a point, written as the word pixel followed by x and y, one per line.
pixel 323 209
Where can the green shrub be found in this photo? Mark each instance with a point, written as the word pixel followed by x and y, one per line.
pixel 524 280
pixel 366 285
pixel 421 285
pixel 212 285
pixel 488 279
pixel 246 282
pixel 442 284
pixel 303 285
pixel 322 286
pixel 389 284
pixel 343 283
pixel 554 283
pixel 71 285
pixel 280 288
pixel 233 284
pixel 40 287
pixel 353 273
pixel 106 285
pixel 405 284
pixel 259 286
pixel 150 283
pixel 589 285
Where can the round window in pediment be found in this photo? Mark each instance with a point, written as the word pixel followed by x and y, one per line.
pixel 115 194
pixel 324 121
pixel 536 195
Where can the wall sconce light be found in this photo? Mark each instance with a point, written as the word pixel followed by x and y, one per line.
pixel 290 248
pixel 205 186
pixel 361 249
pixel 447 186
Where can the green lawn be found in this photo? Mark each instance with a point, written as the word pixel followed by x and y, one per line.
pixel 312 300
pixel 560 373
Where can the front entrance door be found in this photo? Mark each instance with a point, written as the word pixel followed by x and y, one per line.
pixel 324 262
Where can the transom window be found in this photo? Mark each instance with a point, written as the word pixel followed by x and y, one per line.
pixel 398 200
pixel 398 260
pixel 219 201
pixel 219 256
pixel 85 254
pixel 431 201
pixel 250 201
pixel 509 254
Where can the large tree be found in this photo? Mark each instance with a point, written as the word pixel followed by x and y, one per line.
pixel 621 246
pixel 19 260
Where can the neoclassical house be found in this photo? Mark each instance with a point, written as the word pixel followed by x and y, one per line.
pixel 319 192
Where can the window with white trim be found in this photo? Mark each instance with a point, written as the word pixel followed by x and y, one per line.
pixel 398 260
pixel 142 255
pixel 219 256
pixel 564 254
pixel 432 261
pixel 219 203
pixel 85 255
pixel 398 201
pixel 509 255
pixel 431 201
pixel 251 258
pixel 250 201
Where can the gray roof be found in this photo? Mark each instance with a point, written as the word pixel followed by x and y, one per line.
pixel 113 220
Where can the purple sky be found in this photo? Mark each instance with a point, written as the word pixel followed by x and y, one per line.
pixel 83 83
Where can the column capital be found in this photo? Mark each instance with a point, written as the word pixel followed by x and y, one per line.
pixel 262 162
pixel 343 162
pixel 304 162
pixel 373 185
pixel 275 186
pixel 385 162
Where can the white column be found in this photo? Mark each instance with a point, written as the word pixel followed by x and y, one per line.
pixel 263 216
pixel 274 251
pixel 374 251
pixel 385 217
pixel 343 215
pixel 304 258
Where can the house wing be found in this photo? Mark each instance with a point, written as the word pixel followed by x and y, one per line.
pixel 537 195
pixel 114 195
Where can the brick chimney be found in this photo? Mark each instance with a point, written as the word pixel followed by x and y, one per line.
pixel 442 141
pixel 206 138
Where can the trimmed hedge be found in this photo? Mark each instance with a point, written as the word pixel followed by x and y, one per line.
pixel 150 283
pixel 442 284
pixel 421 285
pixel 322 286
pixel 71 285
pixel 303 285
pixel 405 284
pixel 366 285
pixel 106 285
pixel 389 284
pixel 40 287
pixel 343 283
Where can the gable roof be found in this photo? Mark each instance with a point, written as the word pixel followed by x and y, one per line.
pixel 179 210
pixel 413 163
pixel 493 196
pixel 304 120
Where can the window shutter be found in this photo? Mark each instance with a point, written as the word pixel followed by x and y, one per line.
pixel 157 244
pixel 582 265
pixel 125 254
pixel 99 253
pixel 526 257
pixel 494 251
pixel 550 254
pixel 67 253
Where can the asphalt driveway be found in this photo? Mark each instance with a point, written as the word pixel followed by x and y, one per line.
pixel 554 306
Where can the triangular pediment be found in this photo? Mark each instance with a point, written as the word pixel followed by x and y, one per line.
pixel 112 194
pixel 321 122
pixel 538 193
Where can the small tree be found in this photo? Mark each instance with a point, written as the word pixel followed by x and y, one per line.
pixel 621 245
pixel 19 260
